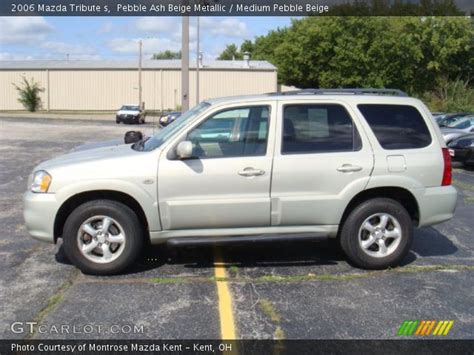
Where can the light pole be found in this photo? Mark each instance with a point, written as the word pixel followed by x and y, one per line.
pixel 140 45
pixel 197 62
pixel 185 64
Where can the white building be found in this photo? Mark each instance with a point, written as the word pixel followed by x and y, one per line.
pixel 106 85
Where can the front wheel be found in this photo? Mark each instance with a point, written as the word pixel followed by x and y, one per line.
pixel 377 234
pixel 102 237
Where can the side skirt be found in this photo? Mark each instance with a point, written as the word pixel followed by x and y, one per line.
pixel 244 235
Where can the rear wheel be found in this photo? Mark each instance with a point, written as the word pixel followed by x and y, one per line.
pixel 102 237
pixel 377 234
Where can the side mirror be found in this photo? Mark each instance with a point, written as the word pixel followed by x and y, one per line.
pixel 184 150
pixel 132 137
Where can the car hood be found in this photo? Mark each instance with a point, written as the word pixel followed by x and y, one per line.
pixel 89 155
pixel 96 145
pixel 126 112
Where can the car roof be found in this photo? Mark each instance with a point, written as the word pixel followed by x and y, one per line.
pixel 348 97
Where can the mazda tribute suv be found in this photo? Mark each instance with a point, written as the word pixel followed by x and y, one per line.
pixel 361 166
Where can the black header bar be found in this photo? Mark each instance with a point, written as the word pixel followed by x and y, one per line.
pixel 236 7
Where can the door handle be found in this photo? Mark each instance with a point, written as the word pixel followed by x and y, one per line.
pixel 349 168
pixel 251 172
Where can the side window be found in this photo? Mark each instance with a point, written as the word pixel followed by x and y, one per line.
pixel 318 128
pixel 396 126
pixel 234 132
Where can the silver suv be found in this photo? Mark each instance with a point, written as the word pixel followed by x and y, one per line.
pixel 362 166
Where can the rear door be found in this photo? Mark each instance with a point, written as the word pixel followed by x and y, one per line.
pixel 322 158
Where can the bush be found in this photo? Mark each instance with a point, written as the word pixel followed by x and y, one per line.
pixel 451 96
pixel 29 94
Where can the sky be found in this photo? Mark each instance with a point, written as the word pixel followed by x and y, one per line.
pixel 87 38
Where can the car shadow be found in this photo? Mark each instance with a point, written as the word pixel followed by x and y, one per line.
pixel 430 242
pixel 301 253
pixel 427 242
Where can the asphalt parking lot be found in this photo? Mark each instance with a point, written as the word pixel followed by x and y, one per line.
pixel 291 291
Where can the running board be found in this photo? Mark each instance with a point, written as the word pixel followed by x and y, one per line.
pixel 243 239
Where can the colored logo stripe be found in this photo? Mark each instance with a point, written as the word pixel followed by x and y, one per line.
pixel 443 327
pixel 425 327
pixel 408 327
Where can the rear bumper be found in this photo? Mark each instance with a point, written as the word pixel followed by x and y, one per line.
pixel 436 204
pixel 39 213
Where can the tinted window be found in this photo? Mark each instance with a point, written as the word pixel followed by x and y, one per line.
pixel 397 126
pixel 317 128
pixel 232 133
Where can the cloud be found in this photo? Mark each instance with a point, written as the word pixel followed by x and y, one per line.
pixel 165 26
pixel 14 56
pixel 150 45
pixel 106 27
pixel 227 27
pixel 158 24
pixel 21 30
pixel 68 48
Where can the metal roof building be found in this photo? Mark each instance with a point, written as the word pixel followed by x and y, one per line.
pixel 108 84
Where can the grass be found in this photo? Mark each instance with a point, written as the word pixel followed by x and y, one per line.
pixel 266 306
pixel 314 277
pixel 469 200
pixel 51 305
pixel 279 334
pixel 234 270
pixel 170 280
pixel 463 185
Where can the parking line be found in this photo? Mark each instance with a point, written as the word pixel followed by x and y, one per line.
pixel 226 314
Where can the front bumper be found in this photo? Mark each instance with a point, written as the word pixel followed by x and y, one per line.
pixel 128 119
pixel 436 204
pixel 39 213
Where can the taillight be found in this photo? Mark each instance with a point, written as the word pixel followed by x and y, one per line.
pixel 447 171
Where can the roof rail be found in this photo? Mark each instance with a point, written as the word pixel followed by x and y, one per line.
pixel 390 92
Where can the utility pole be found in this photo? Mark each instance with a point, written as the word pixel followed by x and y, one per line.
pixel 185 64
pixel 197 62
pixel 140 45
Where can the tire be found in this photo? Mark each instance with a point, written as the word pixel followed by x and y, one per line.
pixel 117 121
pixel 124 226
pixel 363 235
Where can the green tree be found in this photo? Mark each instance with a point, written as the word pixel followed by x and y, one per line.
pixel 230 52
pixel 29 94
pixel 246 47
pixel 167 55
pixel 410 53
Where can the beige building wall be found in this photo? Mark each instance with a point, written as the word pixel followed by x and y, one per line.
pixel 109 89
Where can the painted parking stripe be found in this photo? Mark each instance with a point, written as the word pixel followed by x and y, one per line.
pixel 226 314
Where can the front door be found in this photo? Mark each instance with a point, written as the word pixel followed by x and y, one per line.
pixel 227 182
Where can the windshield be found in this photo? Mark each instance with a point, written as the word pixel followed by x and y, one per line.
pixel 164 134
pixel 465 123
pixel 129 108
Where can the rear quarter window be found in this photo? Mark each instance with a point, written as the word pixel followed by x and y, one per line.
pixel 396 126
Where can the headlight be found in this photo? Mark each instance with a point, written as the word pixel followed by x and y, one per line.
pixel 41 181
